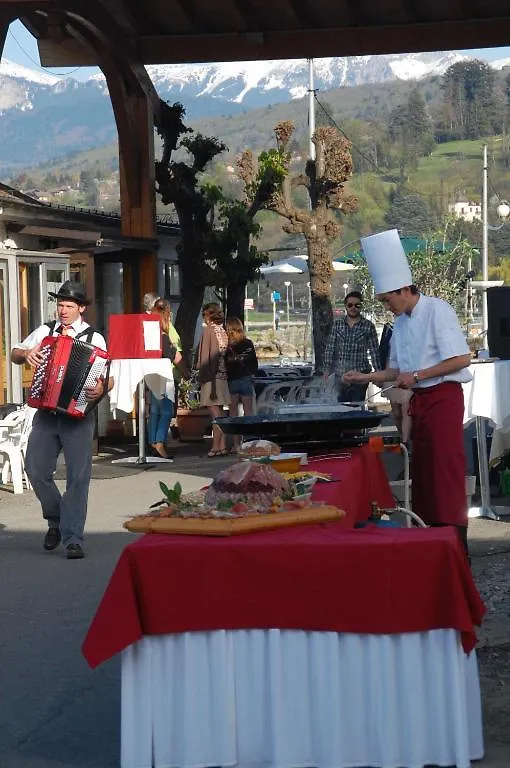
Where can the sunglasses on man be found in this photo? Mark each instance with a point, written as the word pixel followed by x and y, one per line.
pixel 353 306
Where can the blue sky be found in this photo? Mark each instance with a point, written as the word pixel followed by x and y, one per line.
pixel 20 48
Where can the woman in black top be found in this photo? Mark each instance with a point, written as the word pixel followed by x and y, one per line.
pixel 242 365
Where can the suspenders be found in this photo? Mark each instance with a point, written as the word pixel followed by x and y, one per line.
pixel 86 335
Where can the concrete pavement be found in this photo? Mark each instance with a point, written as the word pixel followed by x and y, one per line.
pixel 56 712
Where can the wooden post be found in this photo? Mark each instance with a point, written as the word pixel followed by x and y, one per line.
pixel 134 114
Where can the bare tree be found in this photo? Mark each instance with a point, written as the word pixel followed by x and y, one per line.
pixel 270 185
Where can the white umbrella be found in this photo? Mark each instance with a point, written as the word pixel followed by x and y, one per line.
pixel 283 267
pixel 299 265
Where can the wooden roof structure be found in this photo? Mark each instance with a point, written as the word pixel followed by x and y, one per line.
pixel 121 36
pixel 170 31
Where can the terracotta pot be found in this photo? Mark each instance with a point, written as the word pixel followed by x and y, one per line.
pixel 193 424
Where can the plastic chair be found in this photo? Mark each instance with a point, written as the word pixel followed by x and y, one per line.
pixel 13 449
pixel 13 421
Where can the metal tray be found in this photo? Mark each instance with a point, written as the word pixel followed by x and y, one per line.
pixel 308 426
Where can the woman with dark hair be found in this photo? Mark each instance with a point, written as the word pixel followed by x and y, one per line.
pixel 242 365
pixel 162 409
pixel 212 372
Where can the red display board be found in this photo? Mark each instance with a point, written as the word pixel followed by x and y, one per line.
pixel 134 336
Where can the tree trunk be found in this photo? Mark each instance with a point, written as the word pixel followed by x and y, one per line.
pixel 192 300
pixel 322 321
pixel 235 300
pixel 320 269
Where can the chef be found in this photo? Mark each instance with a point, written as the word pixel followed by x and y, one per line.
pixel 430 356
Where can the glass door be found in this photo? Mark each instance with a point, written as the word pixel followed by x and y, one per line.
pixel 35 279
pixel 53 275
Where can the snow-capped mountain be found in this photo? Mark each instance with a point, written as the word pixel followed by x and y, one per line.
pixel 254 83
pixel 44 115
pixel 9 69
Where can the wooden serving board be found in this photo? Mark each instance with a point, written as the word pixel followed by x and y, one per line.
pixel 230 526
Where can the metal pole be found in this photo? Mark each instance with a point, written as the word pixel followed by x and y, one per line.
pixel 287 283
pixel 141 422
pixel 485 251
pixel 311 110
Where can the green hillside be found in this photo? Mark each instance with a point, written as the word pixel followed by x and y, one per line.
pixel 436 174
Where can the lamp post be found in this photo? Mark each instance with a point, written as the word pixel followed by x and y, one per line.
pixel 286 284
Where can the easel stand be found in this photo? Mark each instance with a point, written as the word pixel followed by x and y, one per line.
pixel 142 458
pixel 486 510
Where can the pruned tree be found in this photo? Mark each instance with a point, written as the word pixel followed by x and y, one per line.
pixel 216 246
pixel 178 183
pixel 270 184
pixel 236 257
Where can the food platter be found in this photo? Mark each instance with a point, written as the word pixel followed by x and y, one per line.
pixel 210 526
pixel 242 498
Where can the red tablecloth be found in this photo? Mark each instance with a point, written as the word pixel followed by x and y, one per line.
pixel 358 478
pixel 370 580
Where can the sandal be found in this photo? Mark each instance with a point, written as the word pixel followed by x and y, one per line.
pixel 212 454
pixel 224 452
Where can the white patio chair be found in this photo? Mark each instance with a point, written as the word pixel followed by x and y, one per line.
pixel 13 449
pixel 12 422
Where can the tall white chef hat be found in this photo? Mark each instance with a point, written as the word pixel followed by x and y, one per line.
pixel 387 261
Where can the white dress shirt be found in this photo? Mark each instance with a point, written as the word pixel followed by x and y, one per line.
pixel 426 337
pixel 79 325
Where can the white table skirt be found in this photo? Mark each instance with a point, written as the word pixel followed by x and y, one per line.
pixel 488 395
pixel 158 375
pixel 293 699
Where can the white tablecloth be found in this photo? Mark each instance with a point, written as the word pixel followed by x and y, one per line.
pixel 127 374
pixel 488 395
pixel 291 699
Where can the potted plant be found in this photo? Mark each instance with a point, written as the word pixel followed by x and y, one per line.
pixel 193 421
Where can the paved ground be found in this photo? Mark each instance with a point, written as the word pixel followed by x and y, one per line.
pixel 55 712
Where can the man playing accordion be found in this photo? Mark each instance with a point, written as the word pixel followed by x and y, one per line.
pixel 52 433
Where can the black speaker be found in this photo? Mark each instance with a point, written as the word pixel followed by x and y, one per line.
pixel 498 317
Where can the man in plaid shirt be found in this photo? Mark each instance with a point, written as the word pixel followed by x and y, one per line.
pixel 352 340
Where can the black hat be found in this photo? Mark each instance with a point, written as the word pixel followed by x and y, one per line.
pixel 72 291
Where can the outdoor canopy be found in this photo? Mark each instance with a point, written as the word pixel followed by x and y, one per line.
pixel 298 265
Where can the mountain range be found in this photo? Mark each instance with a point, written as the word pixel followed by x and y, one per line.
pixel 43 117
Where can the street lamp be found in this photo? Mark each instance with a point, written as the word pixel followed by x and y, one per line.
pixel 286 284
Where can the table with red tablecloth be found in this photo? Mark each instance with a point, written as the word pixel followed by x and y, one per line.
pixel 311 645
pixel 358 478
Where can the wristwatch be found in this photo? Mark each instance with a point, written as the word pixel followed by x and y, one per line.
pixel 416 376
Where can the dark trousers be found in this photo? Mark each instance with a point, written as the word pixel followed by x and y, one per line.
pixel 50 435
pixel 352 393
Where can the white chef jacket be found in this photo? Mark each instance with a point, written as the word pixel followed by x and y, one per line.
pixel 79 325
pixel 426 337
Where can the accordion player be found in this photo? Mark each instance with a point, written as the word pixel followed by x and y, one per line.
pixel 70 367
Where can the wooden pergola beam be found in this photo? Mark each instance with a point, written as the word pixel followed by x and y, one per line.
pixel 303 13
pixel 352 41
pixel 192 16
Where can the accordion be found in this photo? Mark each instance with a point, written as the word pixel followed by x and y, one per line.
pixel 70 366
